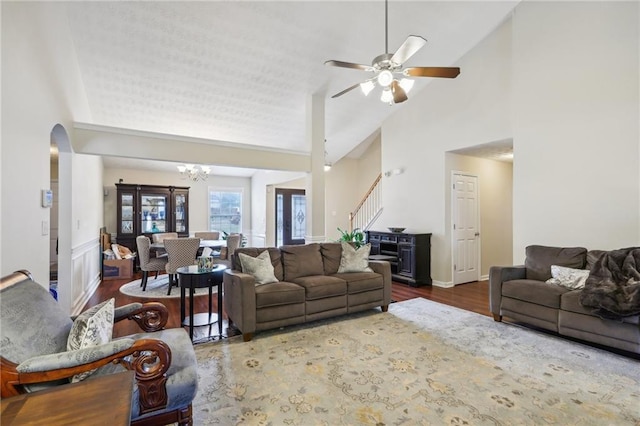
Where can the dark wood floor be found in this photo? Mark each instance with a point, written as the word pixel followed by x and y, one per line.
pixel 472 297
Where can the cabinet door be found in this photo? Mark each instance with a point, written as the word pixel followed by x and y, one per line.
pixel 154 211
pixel 181 212
pixel 406 259
pixel 127 217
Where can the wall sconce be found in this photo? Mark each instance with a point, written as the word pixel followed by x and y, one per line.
pixel 394 172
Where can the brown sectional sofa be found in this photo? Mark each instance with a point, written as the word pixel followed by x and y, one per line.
pixel 521 293
pixel 309 288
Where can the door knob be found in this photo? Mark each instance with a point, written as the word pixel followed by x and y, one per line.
pixel 477 234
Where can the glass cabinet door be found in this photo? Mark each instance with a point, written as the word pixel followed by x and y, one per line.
pixel 127 213
pixel 153 208
pixel 180 212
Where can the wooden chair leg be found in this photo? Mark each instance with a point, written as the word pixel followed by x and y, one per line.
pixel 157 274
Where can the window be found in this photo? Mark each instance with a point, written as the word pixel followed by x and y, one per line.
pixel 225 210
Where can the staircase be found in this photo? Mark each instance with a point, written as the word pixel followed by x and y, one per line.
pixel 369 208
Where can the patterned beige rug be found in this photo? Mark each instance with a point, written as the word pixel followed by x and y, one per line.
pixel 422 363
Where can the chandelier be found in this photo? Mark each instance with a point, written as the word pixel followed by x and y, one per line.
pixel 193 172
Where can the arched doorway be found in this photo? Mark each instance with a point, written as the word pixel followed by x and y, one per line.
pixel 60 138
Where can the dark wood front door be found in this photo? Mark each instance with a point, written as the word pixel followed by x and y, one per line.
pixel 291 216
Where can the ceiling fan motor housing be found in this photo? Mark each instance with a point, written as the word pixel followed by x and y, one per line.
pixel 383 62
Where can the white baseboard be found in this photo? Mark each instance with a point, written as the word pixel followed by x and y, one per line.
pixel 442 284
pixel 484 277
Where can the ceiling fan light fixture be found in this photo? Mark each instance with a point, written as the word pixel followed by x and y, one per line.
pixel 386 96
pixel 367 87
pixel 406 84
pixel 385 78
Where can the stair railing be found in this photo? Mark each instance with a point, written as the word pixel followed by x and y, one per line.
pixel 368 209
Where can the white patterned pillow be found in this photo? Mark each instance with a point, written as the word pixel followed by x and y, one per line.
pixel 568 277
pixel 259 267
pixel 93 327
pixel 354 260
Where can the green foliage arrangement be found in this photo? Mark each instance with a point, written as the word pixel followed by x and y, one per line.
pixel 356 236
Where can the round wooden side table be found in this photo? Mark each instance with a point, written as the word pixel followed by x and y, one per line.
pixel 190 277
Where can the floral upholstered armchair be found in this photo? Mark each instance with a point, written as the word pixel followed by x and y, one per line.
pixel 42 347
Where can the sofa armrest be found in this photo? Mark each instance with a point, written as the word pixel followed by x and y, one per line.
pixel 240 300
pixel 150 316
pixel 150 359
pixel 383 268
pixel 498 275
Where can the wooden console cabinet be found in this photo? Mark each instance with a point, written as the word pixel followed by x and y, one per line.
pixel 409 255
pixel 149 209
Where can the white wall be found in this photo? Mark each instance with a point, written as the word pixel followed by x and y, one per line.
pixel 448 114
pixel 567 93
pixel 575 115
pixel 40 89
pixel 198 195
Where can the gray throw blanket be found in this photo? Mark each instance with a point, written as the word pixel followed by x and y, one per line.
pixel 613 286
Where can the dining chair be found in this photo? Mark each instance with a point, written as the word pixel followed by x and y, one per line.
pixel 160 237
pixel 182 252
pixel 233 242
pixel 207 235
pixel 148 263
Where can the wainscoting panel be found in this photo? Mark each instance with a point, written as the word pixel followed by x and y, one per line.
pixel 85 260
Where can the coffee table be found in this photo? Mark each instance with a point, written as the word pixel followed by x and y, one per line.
pixel 190 277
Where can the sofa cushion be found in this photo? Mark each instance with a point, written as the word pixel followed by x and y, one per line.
pixel 540 258
pixel 319 286
pixel 259 267
pixel 274 254
pixel 354 259
pixel 301 261
pixel 331 255
pixel 280 293
pixel 358 282
pixel 534 291
pixel 570 302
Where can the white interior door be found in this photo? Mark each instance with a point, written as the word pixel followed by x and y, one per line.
pixel 466 233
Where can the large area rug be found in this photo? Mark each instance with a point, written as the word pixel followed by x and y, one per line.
pixel 157 288
pixel 422 363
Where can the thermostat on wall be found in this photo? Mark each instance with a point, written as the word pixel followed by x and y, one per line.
pixel 47 198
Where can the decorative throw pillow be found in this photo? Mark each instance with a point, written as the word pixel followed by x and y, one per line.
pixel 568 277
pixel 259 267
pixel 354 260
pixel 93 327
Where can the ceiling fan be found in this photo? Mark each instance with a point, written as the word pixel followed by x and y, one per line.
pixel 387 66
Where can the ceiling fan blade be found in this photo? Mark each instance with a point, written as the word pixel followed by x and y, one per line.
pixel 410 46
pixel 348 89
pixel 399 95
pixel 349 65
pixel 444 72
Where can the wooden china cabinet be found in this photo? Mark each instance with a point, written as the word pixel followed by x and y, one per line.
pixel 149 209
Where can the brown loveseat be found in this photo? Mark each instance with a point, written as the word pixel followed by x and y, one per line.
pixel 522 294
pixel 309 288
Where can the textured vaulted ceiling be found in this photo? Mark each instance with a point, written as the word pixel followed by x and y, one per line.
pixel 241 71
